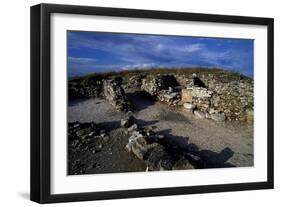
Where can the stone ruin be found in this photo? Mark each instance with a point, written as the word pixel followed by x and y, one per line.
pixel 162 152
pixel 83 139
pixel 86 88
pixel 217 96
pixel 152 148
pixel 109 89
pixel 212 96
pixel 164 88
pixel 221 97
pixel 115 94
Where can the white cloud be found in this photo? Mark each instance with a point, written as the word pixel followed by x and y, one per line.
pixel 193 47
pixel 137 66
pixel 78 60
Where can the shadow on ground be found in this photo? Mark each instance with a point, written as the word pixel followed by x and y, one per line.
pixel 74 102
pixel 140 100
pixel 179 146
pixel 110 125
pixel 198 158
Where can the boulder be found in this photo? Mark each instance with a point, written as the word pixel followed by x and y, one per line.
pixel 139 146
pixel 139 149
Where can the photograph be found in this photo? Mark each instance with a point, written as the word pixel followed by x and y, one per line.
pixel 153 102
pixel 133 103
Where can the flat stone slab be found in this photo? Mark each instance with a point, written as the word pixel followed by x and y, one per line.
pixel 219 117
pixel 188 106
pixel 199 114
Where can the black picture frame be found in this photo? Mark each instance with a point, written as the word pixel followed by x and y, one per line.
pixel 40 102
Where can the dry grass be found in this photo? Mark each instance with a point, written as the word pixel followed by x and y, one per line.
pixel 154 71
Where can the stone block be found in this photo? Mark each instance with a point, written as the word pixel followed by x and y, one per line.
pixel 187 95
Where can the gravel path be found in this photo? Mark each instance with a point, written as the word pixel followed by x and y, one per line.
pixel 229 143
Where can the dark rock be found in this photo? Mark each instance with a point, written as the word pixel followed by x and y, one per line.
pixel 153 161
pixel 84 140
pixel 166 163
pixel 85 88
pixel 128 121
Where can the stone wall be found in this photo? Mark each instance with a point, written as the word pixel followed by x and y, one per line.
pixel 218 96
pixel 227 93
pixel 153 84
pixel 86 88
pixel 115 94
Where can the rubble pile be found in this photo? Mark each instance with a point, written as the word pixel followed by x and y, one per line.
pixel 89 87
pixel 169 96
pixel 83 139
pixel 153 149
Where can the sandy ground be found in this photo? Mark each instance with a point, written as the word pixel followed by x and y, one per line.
pixel 228 143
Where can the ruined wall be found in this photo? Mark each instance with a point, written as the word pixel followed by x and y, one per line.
pixel 153 84
pixel 218 96
pixel 115 94
pixel 226 92
pixel 86 88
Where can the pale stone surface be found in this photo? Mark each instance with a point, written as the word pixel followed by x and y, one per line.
pixel 189 106
pixel 219 117
pixel 250 117
pixel 199 114
pixel 186 95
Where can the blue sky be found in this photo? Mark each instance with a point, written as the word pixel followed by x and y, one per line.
pixel 90 52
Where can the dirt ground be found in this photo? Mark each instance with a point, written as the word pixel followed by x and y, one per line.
pixel 229 144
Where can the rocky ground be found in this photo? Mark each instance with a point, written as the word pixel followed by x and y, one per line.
pixel 215 144
pixel 147 121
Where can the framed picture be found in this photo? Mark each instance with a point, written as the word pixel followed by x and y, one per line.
pixel 132 103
